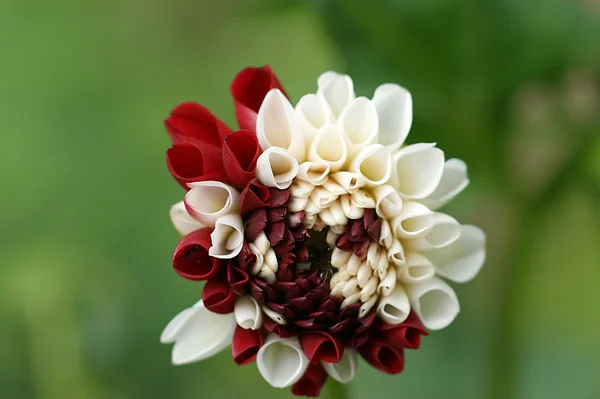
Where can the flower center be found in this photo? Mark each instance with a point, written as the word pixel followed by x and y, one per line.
pixel 320 254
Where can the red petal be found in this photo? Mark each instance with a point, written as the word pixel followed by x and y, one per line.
pixel 281 330
pixel 255 223
pixel 240 152
pixel 249 88
pixel 191 122
pixel 383 356
pixel 372 224
pixel 191 259
pixel 245 345
pixel 275 233
pixel 311 382
pixel 218 296
pixel 237 279
pixel 245 258
pixel 188 163
pixel 320 346
pixel 344 243
pixel 254 196
pixel 404 335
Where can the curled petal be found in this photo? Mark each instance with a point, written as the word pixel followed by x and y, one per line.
pixel 248 90
pixel 314 172
pixel 321 346
pixel 245 345
pixel 395 253
pixel 445 231
pixel 394 111
pixel 383 356
pixel 329 147
pixel 255 223
pixel 351 182
pixel 406 335
pixel 237 279
pixel 387 201
pixel 191 259
pixel 417 170
pixel 254 196
pixel 248 313
pixel 434 301
pixel 182 220
pixel 240 152
pixel 312 112
pixel 281 361
pixel 454 180
pixel 374 164
pixel 227 237
pixel 461 260
pixel 417 269
pixel 276 168
pixel 193 123
pixel 276 125
pixel 388 282
pixel 198 334
pixel 311 382
pixel 188 163
pixel 414 220
pixel 218 297
pixel 337 90
pixel 394 308
pixel 344 370
pixel 209 200
pixel 358 124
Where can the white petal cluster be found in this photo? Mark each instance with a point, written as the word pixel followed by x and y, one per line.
pixel 341 154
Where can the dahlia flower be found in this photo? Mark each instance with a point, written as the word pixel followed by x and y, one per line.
pixel 316 229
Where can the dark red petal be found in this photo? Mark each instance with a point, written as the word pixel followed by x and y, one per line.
pixel 240 152
pixel 277 214
pixel 218 296
pixel 344 243
pixel 191 259
pixel 254 196
pixel 404 335
pixel 245 258
pixel 383 356
pixel 321 346
pixel 280 197
pixel 275 233
pixel 237 279
pixel 361 249
pixel 255 224
pixel 191 122
pixel 281 330
pixel 245 345
pixel 248 89
pixel 372 224
pixel 311 382
pixel 188 163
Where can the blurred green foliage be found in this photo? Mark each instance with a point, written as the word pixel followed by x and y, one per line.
pixel 512 87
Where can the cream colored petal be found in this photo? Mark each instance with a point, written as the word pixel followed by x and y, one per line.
pixel 394 308
pixel 417 170
pixel 314 173
pixel 301 189
pixel 414 220
pixel 281 361
pixel 276 168
pixel 387 201
pixel 386 237
pixel 367 306
pixel 445 231
pixel 228 237
pixel 351 182
pixel 337 90
pixel 374 164
pixel 312 112
pixel 344 370
pixel 340 257
pixel 276 317
pixel 248 313
pixel 329 147
pixel 395 253
pixel 434 301
pixel 454 180
pixel 181 219
pixel 358 123
pixel 363 199
pixel 387 284
pixel 276 125
pixel 394 110
pixel 416 270
pixel 351 210
pixel 262 243
pixel 209 200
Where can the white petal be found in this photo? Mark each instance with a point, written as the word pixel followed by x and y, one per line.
pixel 228 237
pixel 454 180
pixel 434 301
pixel 374 164
pixel 276 317
pixel 388 202
pixel 351 210
pixel 363 199
pixel 339 257
pixel 329 147
pixel 349 181
pixel 281 361
pixel 344 370
pixel 388 282
pixel 301 189
pixel 417 269
pixel 314 172
pixel 198 334
pixel 276 125
pixel 275 167
pixel 395 253
pixel 358 123
pixel 248 314
pixel 262 243
pixel 417 170
pixel 209 200
pixel 414 220
pixel 461 260
pixel 394 308
pixel 337 90
pixel 445 231
pixel 312 112
pixel 394 110
pixel 386 237
pixel 182 220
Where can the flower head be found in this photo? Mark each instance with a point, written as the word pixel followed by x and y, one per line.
pixel 316 229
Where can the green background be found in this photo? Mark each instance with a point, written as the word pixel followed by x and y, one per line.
pixel 86 285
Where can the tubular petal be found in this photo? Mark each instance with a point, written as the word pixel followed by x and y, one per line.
pixel 337 90
pixel 445 231
pixel 227 237
pixel 417 170
pixel 182 220
pixel 311 382
pixel 394 111
pixel 281 361
pixel 191 259
pixel 312 112
pixel 328 147
pixel 394 308
pixel 240 152
pixel 245 345
pixel 454 180
pixel 276 168
pixel 434 301
pixel 374 164
pixel 358 124
pixel 193 123
pixel 209 200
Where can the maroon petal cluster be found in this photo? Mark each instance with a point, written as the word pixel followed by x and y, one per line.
pixel 359 234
